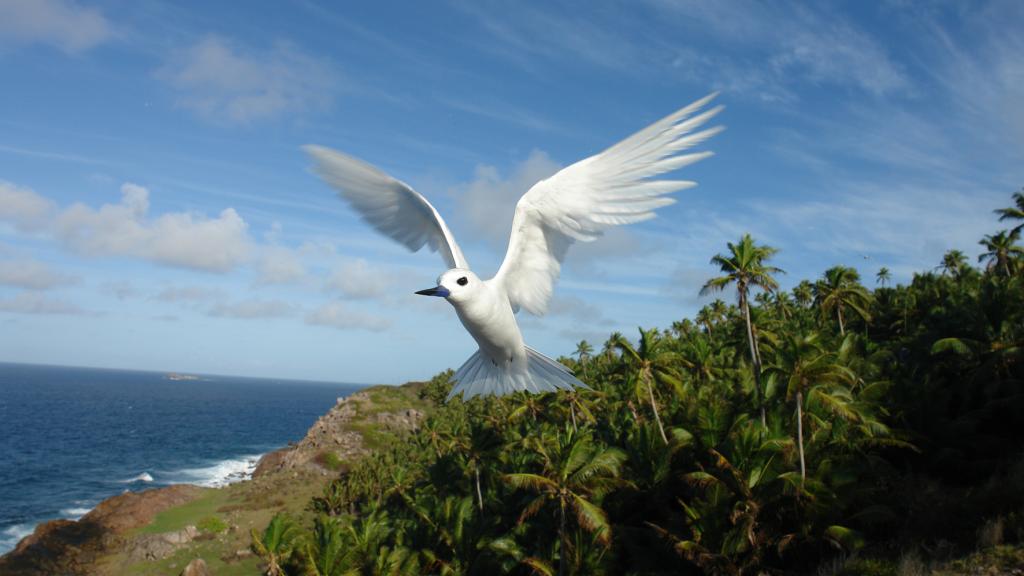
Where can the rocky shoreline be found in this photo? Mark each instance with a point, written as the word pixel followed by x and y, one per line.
pixel 109 538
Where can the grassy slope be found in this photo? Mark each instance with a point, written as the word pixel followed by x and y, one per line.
pixel 251 504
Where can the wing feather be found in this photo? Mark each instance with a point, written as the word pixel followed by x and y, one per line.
pixel 391 206
pixel 612 188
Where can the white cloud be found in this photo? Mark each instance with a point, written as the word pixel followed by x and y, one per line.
pixel 120 289
pixel 789 43
pixel 575 309
pixel 337 315
pixel 23 208
pixel 252 309
pixel 188 294
pixel 179 239
pixel 37 303
pixel 902 224
pixel 486 204
pixel 357 279
pixel 223 81
pixel 59 23
pixel 279 265
pixel 32 274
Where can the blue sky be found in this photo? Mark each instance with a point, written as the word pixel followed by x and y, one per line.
pixel 157 212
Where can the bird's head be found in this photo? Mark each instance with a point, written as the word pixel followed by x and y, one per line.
pixel 455 285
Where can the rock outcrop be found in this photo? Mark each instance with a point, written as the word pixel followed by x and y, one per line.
pixel 334 433
pixel 196 567
pixel 68 547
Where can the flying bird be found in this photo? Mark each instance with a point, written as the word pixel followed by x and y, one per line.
pixel 614 187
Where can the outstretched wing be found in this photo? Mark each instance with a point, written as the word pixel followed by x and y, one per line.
pixel 389 205
pixel 609 189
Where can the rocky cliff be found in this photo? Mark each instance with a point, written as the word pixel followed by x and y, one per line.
pixel 162 531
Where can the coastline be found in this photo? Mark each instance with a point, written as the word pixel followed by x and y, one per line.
pixel 132 532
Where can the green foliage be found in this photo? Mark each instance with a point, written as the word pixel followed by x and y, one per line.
pixel 330 460
pixel 212 525
pixel 827 426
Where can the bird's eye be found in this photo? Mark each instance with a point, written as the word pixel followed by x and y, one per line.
pixel 463 281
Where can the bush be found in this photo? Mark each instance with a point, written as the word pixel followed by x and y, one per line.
pixel 212 525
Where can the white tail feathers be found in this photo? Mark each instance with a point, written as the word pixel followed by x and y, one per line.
pixel 478 376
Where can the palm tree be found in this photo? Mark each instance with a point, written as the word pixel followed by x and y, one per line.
pixel 745 266
pixel 840 288
pixel 276 543
pixel 883 277
pixel 584 351
pixel 803 294
pixel 1002 251
pixel 325 552
pixel 953 263
pixel 575 472
pixel 802 367
pixel 652 362
pixel 1015 212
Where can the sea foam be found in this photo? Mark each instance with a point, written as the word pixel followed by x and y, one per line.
pixel 218 474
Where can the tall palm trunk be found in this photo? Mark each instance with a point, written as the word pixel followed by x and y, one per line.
pixel 564 552
pixel 755 358
pixel 800 433
pixel 479 495
pixel 654 405
pixel 572 412
pixel 839 312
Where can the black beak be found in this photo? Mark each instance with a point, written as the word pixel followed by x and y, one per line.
pixel 436 291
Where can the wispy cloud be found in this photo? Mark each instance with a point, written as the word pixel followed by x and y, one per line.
pixel 226 82
pixel 279 265
pixel 340 316
pixel 32 274
pixel 188 294
pixel 63 24
pixel 37 303
pixel 253 309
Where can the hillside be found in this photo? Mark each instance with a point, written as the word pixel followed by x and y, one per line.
pixel 160 531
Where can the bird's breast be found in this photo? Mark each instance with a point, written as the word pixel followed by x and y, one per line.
pixel 488 317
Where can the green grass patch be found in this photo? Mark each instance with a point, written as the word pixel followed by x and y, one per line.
pixel 212 525
pixel 329 460
pixel 209 551
pixel 187 514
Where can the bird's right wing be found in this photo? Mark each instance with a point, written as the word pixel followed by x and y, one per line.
pixel 612 188
pixel 389 205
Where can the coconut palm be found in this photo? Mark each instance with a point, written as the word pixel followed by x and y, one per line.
pixel 883 277
pixel 584 352
pixel 652 362
pixel 745 267
pixel 276 544
pixel 803 294
pixel 575 472
pixel 839 289
pixel 325 552
pixel 1001 252
pixel 1016 212
pixel 953 263
pixel 802 367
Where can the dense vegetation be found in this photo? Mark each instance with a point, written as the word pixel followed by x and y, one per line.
pixel 783 432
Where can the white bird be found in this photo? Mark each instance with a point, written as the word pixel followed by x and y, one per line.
pixel 608 189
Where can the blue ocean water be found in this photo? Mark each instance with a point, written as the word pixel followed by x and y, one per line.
pixel 70 437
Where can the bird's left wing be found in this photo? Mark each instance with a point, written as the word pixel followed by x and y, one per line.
pixel 611 188
pixel 389 205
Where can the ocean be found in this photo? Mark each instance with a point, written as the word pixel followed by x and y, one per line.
pixel 71 437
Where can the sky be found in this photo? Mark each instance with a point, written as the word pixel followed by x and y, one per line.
pixel 157 211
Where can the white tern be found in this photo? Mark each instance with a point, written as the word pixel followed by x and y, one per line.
pixel 608 189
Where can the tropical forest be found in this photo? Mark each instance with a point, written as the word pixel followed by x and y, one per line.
pixel 849 425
